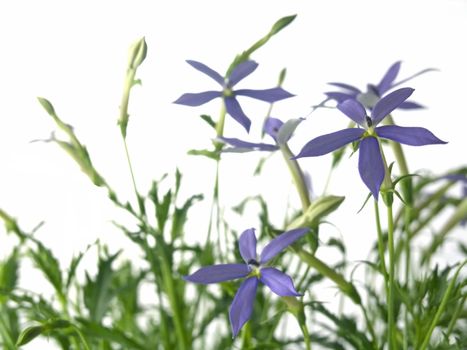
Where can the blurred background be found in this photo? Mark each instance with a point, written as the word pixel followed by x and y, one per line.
pixel 75 55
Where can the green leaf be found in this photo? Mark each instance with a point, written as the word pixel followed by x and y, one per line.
pixel 180 216
pixel 286 130
pixel 320 208
pixel 72 268
pixel 49 265
pixel 29 334
pixel 162 210
pixel 114 335
pixel 282 75
pixel 98 293
pixel 209 120
pixel 205 153
pixel 9 273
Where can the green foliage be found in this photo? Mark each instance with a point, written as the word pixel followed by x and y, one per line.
pixel 105 310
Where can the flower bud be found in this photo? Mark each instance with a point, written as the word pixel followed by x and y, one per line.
pixel 137 53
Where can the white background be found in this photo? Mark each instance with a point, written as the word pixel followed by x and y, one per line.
pixel 75 54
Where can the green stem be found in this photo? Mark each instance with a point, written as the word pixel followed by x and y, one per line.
pixel 297 176
pixel 441 308
pixel 123 120
pixel 306 335
pixel 346 287
pixel 81 337
pixel 138 199
pixel 221 122
pixel 391 318
pixel 173 301
pixel 370 326
pixel 381 245
pixel 455 316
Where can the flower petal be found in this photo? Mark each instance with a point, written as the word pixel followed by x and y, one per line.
pixel 267 95
pixel 242 305
pixel 206 70
pixel 354 110
pixel 344 86
pixel 389 103
pixel 218 273
pixel 278 282
pixel 386 83
pixel 240 145
pixel 279 243
pixel 247 245
pixel 197 99
pixel 370 165
pixel 329 142
pixel 233 108
pixel 240 72
pixel 410 105
pixel 272 126
pixel 339 97
pixel 412 136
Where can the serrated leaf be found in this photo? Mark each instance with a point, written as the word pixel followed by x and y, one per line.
pixel 9 272
pixel 205 153
pixel 97 292
pixel 162 210
pixel 180 216
pixel 46 262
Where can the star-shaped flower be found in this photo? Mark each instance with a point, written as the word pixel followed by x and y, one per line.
pixel 375 92
pixel 370 163
pixel 254 270
pixel 228 94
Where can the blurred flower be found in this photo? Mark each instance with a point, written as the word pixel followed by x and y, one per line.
pixel 374 92
pixel 228 94
pixel 271 128
pixel 254 270
pixel 370 164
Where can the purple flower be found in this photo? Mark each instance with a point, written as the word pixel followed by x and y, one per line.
pixel 254 270
pixel 228 94
pixel 370 164
pixel 271 128
pixel 280 132
pixel 374 92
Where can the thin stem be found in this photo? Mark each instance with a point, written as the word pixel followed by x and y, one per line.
pixel 306 335
pixel 127 154
pixel 381 245
pixel 346 287
pixel 81 337
pixel 369 325
pixel 407 215
pixel 297 176
pixel 455 316
pixel 391 318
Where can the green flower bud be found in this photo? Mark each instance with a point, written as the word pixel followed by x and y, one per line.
pixel 137 53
